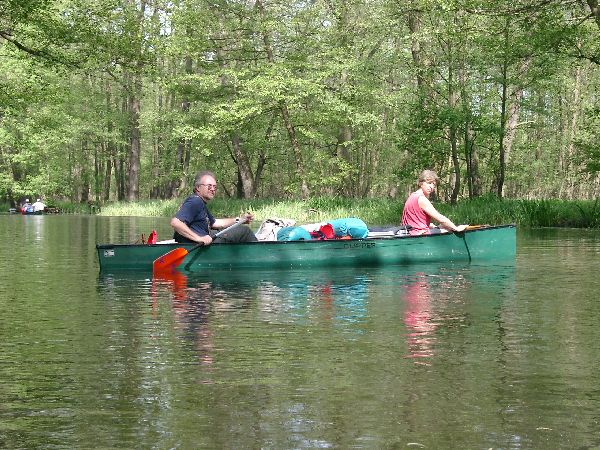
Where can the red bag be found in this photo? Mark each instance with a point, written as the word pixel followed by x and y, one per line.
pixel 327 231
pixel 324 232
pixel 152 238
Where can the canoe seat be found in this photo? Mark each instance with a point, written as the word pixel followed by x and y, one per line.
pixel 167 241
pixel 402 230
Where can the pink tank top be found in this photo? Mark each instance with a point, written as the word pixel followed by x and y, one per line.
pixel 414 216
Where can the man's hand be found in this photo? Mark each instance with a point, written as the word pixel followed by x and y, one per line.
pixel 206 240
pixel 247 217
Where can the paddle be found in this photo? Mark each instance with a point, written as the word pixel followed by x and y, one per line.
pixel 475 227
pixel 170 260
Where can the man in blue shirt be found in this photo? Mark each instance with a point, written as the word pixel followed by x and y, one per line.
pixel 194 222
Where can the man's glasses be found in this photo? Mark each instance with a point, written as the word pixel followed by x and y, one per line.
pixel 209 186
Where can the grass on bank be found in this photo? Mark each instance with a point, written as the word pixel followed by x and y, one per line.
pixel 482 210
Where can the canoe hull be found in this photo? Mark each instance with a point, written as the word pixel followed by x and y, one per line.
pixel 483 244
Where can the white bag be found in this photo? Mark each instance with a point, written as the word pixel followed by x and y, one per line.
pixel 269 228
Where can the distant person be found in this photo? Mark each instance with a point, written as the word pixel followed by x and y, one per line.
pixel 194 223
pixel 419 212
pixel 39 206
pixel 26 207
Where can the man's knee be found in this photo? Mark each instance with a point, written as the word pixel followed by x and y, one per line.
pixel 238 234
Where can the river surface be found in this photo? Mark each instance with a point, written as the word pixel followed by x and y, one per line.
pixel 461 356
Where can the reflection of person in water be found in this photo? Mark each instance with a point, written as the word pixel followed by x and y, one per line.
pixel 191 306
pixel 418 318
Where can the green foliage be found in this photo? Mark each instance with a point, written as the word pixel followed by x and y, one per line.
pixel 590 214
pixel 149 208
pixel 353 98
pixel 485 210
pixel 588 141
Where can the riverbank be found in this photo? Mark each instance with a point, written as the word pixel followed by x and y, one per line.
pixel 483 210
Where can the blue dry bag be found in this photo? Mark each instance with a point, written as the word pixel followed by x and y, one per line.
pixel 293 234
pixel 350 226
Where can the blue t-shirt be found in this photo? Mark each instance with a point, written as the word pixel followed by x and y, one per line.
pixel 194 213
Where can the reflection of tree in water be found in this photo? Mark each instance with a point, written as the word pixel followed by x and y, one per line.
pixel 323 299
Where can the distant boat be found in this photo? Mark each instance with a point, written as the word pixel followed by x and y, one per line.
pixel 481 244
pixel 29 211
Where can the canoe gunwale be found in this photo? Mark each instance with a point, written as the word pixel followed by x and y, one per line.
pixel 312 241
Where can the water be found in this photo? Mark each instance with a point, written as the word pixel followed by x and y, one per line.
pixel 435 356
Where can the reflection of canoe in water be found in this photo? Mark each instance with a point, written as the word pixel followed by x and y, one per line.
pixel 481 244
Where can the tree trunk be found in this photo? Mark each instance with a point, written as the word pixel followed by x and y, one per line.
pixel 304 191
pixel 84 192
pixel 513 113
pixel 343 152
pixel 470 149
pixel 246 178
pixel 107 178
pixel 452 131
pixel 98 171
pixel 475 176
pixel 120 176
pixel 184 147
pixel 595 10
pixel 133 180
pixel 135 149
pixel 414 25
pixel 499 182
pixel 289 126
pixel 110 146
pixel 568 174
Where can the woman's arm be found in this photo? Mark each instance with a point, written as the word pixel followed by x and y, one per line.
pixel 442 220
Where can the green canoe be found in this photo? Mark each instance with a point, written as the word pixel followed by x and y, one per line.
pixel 482 244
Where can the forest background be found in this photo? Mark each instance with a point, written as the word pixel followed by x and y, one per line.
pixel 124 100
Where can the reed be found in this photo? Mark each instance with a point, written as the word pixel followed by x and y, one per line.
pixel 142 208
pixel 482 210
pixel 319 209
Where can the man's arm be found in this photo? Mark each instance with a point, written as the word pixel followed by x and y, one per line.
pixel 186 232
pixel 224 223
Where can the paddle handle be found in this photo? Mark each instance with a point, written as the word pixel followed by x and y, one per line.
pixel 237 223
pixel 475 227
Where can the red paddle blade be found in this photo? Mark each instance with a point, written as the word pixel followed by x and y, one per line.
pixel 175 280
pixel 169 261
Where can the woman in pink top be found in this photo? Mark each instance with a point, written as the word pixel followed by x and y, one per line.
pixel 418 210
